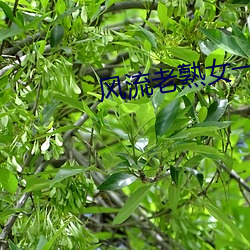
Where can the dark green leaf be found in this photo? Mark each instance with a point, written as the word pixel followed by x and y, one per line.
pixel 117 181
pixel 238 33
pixel 56 35
pixel 7 10
pixel 174 172
pixel 146 34
pixel 166 117
pixel 223 41
pixel 216 110
pixel 189 105
pixel 198 175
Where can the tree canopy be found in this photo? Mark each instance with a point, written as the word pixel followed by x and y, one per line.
pixel 124 124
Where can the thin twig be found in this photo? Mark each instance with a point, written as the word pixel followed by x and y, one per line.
pixel 9 24
pixel 235 176
pixel 148 14
pixel 20 203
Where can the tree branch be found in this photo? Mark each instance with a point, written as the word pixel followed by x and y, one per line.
pixel 21 44
pixel 235 176
pixel 16 63
pixel 20 203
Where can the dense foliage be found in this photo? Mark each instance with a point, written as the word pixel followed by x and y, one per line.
pixel 167 170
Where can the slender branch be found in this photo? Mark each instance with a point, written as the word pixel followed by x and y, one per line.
pixel 235 176
pixel 16 63
pixel 148 14
pixel 243 111
pixel 9 24
pixel 21 44
pixel 37 98
pixel 20 203
pixel 244 195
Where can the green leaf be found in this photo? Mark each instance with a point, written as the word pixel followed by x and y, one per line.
pixel 98 210
pixel 44 3
pixel 223 41
pixel 185 54
pixel 194 161
pixel 117 181
pixel 13 31
pixel 66 172
pixel 108 3
pixel 68 12
pixel 227 223
pixel 216 110
pixel 206 151
pixel 162 12
pixel 219 54
pixel 49 110
pixel 33 183
pixel 56 131
pixel 9 211
pixel 8 180
pixel 198 175
pixel 244 45
pixel 193 132
pixel 202 114
pixel 166 117
pixel 189 106
pixel 146 34
pixel 188 90
pixel 173 196
pixel 35 21
pixel 56 35
pixel 157 99
pixel 7 10
pixel 70 101
pixel 238 33
pixel 219 125
pixel 13 246
pixel 132 203
pixel 174 172
pixel 128 108
pixel 41 243
pixel 49 244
